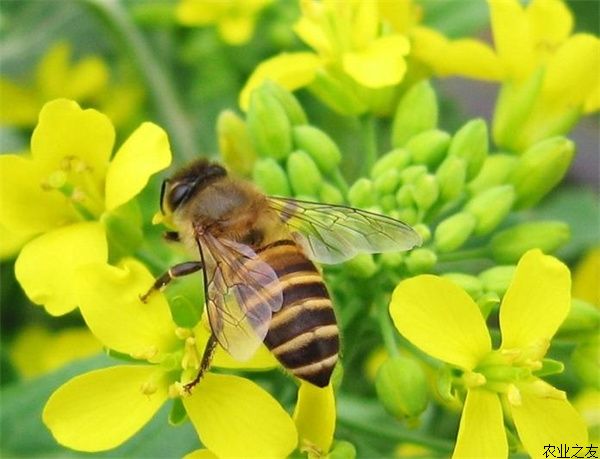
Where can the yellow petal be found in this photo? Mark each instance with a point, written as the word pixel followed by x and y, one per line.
pixel 236 30
pixel 144 153
pixel 65 130
pixel 51 73
pixel 311 29
pixel 36 351
pixel 315 418
pixel 200 454
pixel 236 418
pixel 19 107
pixel 11 242
pixel 110 304
pixel 512 38
pixel 586 278
pixel 440 318
pixel 198 12
pixel 544 421
pixel 481 432
pixel 87 79
pixel 466 57
pixel 573 73
pixel 101 409
pixel 381 63
pixel 365 23
pixel 25 206
pixel 46 265
pixel 550 23
pixel 263 359
pixel 536 302
pixel 290 70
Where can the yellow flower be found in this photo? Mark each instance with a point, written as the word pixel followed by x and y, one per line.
pixel 351 57
pixel 586 278
pixel 101 409
pixel 442 319
pixel 36 351
pixel 235 19
pixel 60 196
pixel 550 76
pixel 315 419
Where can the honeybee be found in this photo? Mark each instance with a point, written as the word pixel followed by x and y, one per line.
pixel 257 257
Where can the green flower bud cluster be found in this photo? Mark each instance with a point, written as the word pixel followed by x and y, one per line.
pixel 453 186
pixel 293 157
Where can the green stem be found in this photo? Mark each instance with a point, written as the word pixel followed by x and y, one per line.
pixel 387 331
pixel 480 252
pixel 340 182
pixel 370 141
pixel 161 90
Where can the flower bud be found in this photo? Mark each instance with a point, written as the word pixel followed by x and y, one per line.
pixel 362 266
pixel 420 260
pixel 540 169
pixel 508 245
pixel 330 194
pixel 318 145
pixel 234 143
pixel 408 215
pixel 425 191
pixel 491 207
pixel 429 147
pixel 288 102
pixel 513 107
pixel 303 173
pixel 423 231
pixel 342 449
pixel 396 159
pixel 471 143
pixel 583 318
pixel 454 231
pixel 487 302
pixel 497 279
pixel 387 202
pixel 270 177
pixel 387 182
pixel 401 387
pixel 451 176
pixel 268 125
pixel 495 171
pixel 412 173
pixel 337 92
pixel 391 259
pixel 362 193
pixel 417 111
pixel 471 284
pixel 404 196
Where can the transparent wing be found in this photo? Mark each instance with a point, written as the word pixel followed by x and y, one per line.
pixel 332 234
pixel 242 291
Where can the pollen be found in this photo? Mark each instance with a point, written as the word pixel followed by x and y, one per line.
pixel 514 395
pixel 148 388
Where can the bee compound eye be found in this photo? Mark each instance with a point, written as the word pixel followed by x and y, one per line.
pixel 178 194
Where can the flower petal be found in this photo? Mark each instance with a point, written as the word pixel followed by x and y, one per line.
pixel 466 57
pixel 236 30
pixel 481 432
pixel 550 23
pixel 381 63
pixel 536 302
pixel 110 303
pixel 200 454
pixel 26 207
pixel 101 409
pixel 144 153
pixel 315 418
pixel 544 421
pixel 11 242
pixel 512 38
pixel 19 107
pixel 586 277
pixel 46 266
pixel 437 316
pixel 236 418
pixel 65 130
pixel 290 70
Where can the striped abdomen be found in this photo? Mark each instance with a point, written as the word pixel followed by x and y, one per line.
pixel 303 334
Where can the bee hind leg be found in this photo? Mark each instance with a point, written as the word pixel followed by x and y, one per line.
pixel 179 270
pixel 209 351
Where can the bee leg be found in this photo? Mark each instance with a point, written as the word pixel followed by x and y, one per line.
pixel 209 351
pixel 179 270
pixel 172 236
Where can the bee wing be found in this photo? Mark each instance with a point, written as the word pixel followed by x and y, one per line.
pixel 241 291
pixel 332 234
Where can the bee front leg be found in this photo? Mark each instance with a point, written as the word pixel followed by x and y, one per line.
pixel 209 351
pixel 179 270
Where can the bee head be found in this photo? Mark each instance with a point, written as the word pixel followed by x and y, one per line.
pixel 187 182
